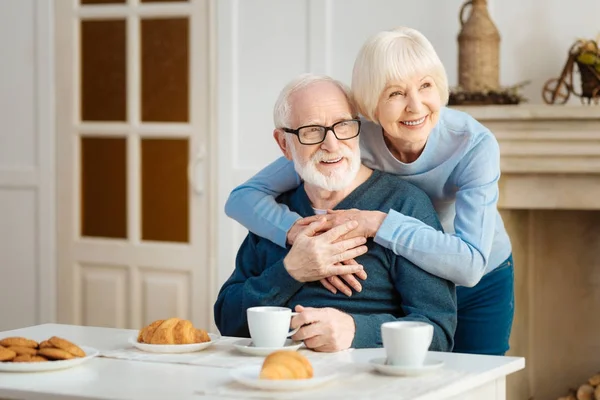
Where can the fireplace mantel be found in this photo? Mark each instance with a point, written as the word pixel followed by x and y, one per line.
pixel 549 197
pixel 550 155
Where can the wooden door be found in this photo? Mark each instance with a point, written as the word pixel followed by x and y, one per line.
pixel 132 137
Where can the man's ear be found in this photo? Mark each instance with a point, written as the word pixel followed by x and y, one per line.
pixel 280 138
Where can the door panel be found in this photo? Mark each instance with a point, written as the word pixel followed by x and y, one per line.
pixel 27 202
pixel 164 293
pixel 103 68
pixel 17 261
pixel 165 190
pixel 104 295
pixel 102 1
pixel 103 181
pixel 165 69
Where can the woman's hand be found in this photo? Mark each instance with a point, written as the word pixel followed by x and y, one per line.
pixel 299 225
pixel 335 283
pixel 368 223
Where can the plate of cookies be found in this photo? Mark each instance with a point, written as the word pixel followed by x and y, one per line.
pixel 283 370
pixel 173 335
pixel 19 354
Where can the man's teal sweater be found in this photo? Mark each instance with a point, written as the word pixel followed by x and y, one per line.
pixel 395 288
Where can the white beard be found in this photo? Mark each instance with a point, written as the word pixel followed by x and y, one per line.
pixel 339 179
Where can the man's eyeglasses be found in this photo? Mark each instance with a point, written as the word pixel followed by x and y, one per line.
pixel 315 134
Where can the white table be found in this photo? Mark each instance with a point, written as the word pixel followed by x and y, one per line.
pixel 104 378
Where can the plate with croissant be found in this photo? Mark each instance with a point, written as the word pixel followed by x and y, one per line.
pixel 283 371
pixel 20 354
pixel 173 335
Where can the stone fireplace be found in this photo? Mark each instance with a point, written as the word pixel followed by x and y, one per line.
pixel 550 201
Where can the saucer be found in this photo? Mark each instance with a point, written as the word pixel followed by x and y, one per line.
pixel 174 348
pixel 397 370
pixel 246 346
pixel 249 376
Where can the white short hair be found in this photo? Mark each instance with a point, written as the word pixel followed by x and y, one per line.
pixel 394 55
pixel 282 110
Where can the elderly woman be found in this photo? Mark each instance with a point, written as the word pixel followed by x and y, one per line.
pixel 401 88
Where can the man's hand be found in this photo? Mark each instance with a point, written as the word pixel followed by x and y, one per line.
pixel 335 283
pixel 316 257
pixel 324 329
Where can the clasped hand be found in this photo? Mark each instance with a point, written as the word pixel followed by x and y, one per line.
pixel 314 257
pixel 368 224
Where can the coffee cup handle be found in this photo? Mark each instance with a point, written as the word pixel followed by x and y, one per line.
pixel 292 333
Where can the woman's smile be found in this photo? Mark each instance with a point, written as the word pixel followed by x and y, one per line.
pixel 414 123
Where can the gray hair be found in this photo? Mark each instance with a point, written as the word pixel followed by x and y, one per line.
pixel 282 110
pixel 395 55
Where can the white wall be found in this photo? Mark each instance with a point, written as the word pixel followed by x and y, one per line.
pixel 537 35
pixel 27 253
pixel 264 43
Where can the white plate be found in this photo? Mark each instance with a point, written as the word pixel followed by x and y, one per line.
pixel 428 366
pixel 249 376
pixel 173 348
pixel 246 346
pixel 48 365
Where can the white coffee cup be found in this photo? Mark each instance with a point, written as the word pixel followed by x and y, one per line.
pixel 270 326
pixel 406 342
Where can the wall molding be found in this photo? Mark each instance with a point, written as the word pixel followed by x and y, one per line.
pixel 44 25
pixel 319 36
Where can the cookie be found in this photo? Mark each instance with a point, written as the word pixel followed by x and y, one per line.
pixel 55 354
pixel 18 341
pixel 44 344
pixel 6 354
pixel 29 358
pixel 23 350
pixel 67 346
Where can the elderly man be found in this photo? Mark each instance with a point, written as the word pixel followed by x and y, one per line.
pixel 317 128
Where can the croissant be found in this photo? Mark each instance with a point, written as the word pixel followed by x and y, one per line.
pixel 172 331
pixel 286 365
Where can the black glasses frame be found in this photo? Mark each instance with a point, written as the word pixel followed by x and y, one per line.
pixel 327 129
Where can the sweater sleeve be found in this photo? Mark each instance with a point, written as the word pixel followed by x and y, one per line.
pixel 251 284
pixel 460 257
pixel 253 203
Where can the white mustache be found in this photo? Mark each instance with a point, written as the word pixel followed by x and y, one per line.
pixel 338 179
pixel 322 155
